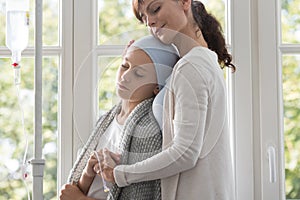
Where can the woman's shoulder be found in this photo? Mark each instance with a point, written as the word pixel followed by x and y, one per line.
pixel 199 56
pixel 201 61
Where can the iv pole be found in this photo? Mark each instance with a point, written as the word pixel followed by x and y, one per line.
pixel 37 162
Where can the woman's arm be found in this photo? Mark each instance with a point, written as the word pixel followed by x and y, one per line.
pixel 190 110
pixel 88 175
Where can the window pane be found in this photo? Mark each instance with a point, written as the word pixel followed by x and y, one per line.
pixel 218 9
pixel 106 86
pixel 291 95
pixel 12 135
pixel 117 24
pixel 50 22
pixel 50 130
pixel 290 21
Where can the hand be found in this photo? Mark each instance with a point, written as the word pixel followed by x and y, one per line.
pixel 71 192
pixel 115 156
pixel 89 168
pixel 108 163
pixel 127 46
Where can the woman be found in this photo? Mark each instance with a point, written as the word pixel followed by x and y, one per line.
pixel 195 163
pixel 129 127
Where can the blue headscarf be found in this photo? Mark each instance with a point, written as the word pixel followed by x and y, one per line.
pixel 163 56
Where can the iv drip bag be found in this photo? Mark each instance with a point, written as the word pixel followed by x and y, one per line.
pixel 17 27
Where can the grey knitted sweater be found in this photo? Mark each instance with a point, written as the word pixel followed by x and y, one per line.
pixel 141 138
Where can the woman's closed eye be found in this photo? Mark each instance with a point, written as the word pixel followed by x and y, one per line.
pixel 155 9
pixel 139 73
pixel 152 11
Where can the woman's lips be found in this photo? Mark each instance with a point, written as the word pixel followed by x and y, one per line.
pixel 122 87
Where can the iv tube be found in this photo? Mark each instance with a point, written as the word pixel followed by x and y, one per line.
pixel 106 189
pixel 17 31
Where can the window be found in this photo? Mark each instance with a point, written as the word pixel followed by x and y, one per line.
pixel 266 48
pixel 83 42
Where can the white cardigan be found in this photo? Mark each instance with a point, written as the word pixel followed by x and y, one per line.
pixel 195 163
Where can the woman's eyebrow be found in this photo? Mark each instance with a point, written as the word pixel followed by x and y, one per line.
pixel 148 7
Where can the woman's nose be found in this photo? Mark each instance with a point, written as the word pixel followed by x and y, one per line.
pixel 150 21
pixel 126 76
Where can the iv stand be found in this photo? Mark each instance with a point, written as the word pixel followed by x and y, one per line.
pixel 37 162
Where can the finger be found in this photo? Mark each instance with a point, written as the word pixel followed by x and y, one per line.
pixel 106 153
pixel 63 187
pixel 130 43
pixel 108 161
pixel 89 169
pixel 127 46
pixel 115 156
pixel 67 186
pixel 93 156
pixel 100 153
pixel 97 169
pixel 92 160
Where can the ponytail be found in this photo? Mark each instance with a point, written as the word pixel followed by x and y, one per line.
pixel 212 33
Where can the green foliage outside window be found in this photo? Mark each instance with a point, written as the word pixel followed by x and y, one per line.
pixel 291 93
pixel 290 18
pixel 117 24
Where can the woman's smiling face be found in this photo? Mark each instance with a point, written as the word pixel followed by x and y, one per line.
pixel 136 77
pixel 164 18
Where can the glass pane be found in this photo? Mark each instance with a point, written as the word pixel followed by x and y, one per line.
pixel 290 21
pixel 106 86
pixel 117 24
pixel 50 129
pixel 2 21
pixel 13 136
pixel 291 95
pixel 50 22
pixel 218 9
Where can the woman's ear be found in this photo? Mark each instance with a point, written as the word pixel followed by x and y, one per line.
pixel 186 4
pixel 156 90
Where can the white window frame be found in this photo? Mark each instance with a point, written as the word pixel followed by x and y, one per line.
pixel 65 109
pixel 258 115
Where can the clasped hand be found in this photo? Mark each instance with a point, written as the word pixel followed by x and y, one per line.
pixel 108 161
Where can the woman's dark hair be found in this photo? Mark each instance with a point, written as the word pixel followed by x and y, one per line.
pixel 212 33
pixel 211 30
